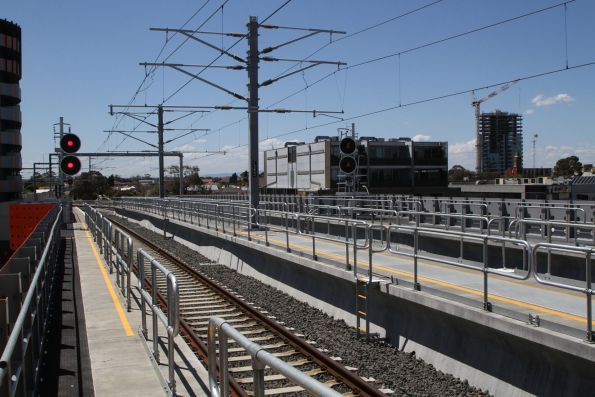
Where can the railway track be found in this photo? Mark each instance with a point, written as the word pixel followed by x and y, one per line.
pixel 202 297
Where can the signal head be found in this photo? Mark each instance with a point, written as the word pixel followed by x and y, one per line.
pixel 347 165
pixel 70 143
pixel 70 165
pixel 347 145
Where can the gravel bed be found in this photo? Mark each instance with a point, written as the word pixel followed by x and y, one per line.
pixel 401 372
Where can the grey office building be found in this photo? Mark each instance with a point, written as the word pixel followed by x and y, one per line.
pixel 501 138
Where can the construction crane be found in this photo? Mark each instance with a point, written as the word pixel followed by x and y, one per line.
pixel 475 104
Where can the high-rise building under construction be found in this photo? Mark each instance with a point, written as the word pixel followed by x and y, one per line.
pixel 501 139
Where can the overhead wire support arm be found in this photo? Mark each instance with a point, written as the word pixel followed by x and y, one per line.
pixel 197 77
pixel 312 32
pixel 314 63
pixel 190 35
pixel 189 65
pixel 192 131
pixel 167 30
pixel 129 135
pixel 133 116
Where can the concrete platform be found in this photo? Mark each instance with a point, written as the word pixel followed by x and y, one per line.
pixel 121 361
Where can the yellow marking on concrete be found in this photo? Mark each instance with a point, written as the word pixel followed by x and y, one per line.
pixel 110 288
pixel 511 301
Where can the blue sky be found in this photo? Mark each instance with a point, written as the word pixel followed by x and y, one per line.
pixel 81 56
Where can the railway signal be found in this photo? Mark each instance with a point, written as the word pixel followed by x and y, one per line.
pixel 347 146
pixel 70 165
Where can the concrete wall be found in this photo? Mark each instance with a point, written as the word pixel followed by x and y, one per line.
pixel 502 355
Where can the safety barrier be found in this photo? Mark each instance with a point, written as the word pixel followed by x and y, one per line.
pixel 170 320
pixel 220 331
pixel 547 229
pixel 463 238
pixel 587 290
pixel 20 360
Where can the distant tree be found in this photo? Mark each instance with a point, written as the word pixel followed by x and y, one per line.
pixel 111 180
pixel 89 185
pixel 244 176
pixel 458 173
pixel 191 176
pixel 567 167
pixel 233 179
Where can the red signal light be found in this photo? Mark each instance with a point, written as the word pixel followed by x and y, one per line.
pixel 70 143
pixel 70 165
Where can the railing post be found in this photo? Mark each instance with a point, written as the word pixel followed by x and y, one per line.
pixel 313 231
pixel 416 285
pixel 258 377
pixel 589 299
pixel 347 265
pixel 486 303
pixel 287 231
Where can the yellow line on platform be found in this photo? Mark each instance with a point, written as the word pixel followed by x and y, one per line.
pixel 110 288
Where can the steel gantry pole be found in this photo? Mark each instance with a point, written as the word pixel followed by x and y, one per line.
pixel 252 67
pixel 160 150
pixel 60 156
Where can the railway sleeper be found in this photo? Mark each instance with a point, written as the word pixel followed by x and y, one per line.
pixel 238 326
pixel 248 368
pixel 287 353
pixel 256 331
pixel 214 306
pixel 226 316
pixel 229 321
pixel 210 312
pixel 265 347
pixel 277 377
pixel 254 339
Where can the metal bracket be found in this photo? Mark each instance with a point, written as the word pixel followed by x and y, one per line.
pixel 534 320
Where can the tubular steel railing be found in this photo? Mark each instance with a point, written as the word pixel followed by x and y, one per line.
pixel 170 320
pixel 21 358
pixel 587 289
pixel 483 240
pixel 220 331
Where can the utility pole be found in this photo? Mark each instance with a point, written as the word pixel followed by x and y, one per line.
pixel 535 136
pixel 252 67
pixel 160 150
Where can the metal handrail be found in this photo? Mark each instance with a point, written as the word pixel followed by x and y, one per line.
pixel 24 334
pixel 522 223
pixel 587 290
pixel 219 330
pixel 462 236
pixel 170 320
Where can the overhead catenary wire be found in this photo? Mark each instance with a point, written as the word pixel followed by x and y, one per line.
pixel 174 51
pixel 398 54
pixel 426 100
pixel 363 30
pixel 216 58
